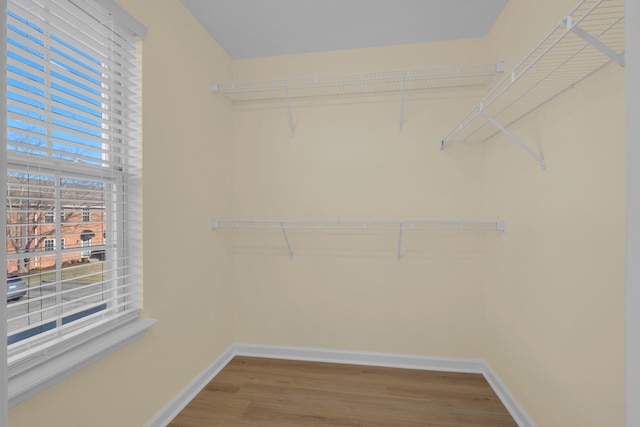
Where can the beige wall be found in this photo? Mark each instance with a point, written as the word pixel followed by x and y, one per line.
pixel 187 275
pixel 555 287
pixel 348 161
pixel 552 286
pixel 542 303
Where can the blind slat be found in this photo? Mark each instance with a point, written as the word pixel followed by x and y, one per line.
pixel 71 166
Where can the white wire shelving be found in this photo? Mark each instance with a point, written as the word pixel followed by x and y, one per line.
pixel 588 38
pixel 367 83
pixel 400 226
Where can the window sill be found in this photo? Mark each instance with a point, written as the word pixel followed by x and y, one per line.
pixel 26 384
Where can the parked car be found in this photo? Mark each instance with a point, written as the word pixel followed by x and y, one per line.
pixel 16 287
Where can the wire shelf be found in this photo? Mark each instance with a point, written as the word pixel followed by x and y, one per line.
pixel 378 82
pixel 399 226
pixel 589 37
pixel 341 224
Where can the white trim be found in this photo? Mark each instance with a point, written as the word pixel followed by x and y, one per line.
pixel 632 247
pixel 124 18
pixel 513 406
pixel 182 399
pixel 443 364
pixel 34 380
pixel 387 360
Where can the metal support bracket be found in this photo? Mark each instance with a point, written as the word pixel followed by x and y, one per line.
pixel 286 94
pixel 603 48
pixel 286 239
pixel 504 130
pixel 402 97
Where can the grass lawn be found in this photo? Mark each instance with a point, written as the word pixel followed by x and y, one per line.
pixel 93 271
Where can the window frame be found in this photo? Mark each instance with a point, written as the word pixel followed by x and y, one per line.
pixel 49 217
pixel 17 386
pixel 4 398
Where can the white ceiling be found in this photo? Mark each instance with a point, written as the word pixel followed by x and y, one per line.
pixel 256 28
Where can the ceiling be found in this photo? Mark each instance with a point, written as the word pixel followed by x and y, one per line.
pixel 258 28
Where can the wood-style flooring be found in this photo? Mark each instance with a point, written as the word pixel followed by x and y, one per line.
pixel 252 392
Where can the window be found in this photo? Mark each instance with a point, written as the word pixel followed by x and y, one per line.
pixel 49 245
pixel 72 147
pixel 86 244
pixel 49 217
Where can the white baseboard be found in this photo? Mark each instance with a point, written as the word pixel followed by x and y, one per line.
pixel 180 401
pixel 389 360
pixel 517 412
pixel 446 364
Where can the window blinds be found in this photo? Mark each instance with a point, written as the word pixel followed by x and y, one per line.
pixel 72 171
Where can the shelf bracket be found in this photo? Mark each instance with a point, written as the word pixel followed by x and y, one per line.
pixel 286 94
pixel 400 242
pixel 524 146
pixel 286 239
pixel 603 48
pixel 402 95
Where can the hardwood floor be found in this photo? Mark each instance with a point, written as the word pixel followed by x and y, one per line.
pixel 251 392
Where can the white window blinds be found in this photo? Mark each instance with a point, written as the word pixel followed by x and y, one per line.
pixel 72 171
